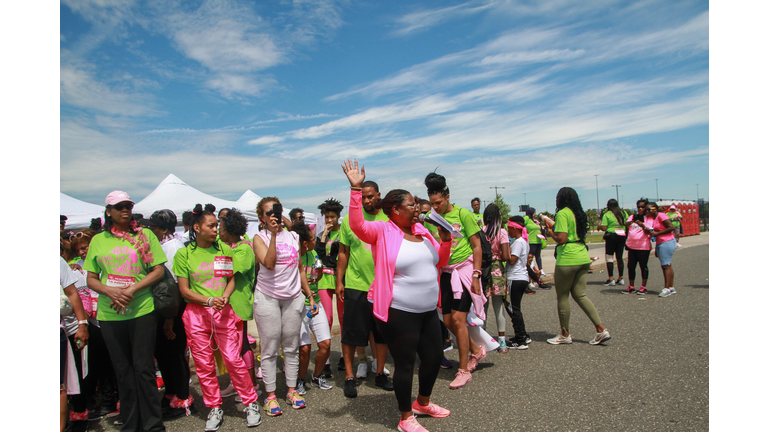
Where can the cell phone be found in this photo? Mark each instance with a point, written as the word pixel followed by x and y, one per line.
pixel 640 218
pixel 277 211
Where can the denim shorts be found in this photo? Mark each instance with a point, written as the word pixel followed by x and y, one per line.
pixel 665 251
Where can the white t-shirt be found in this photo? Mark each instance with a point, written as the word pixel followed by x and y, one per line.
pixel 518 248
pixel 414 286
pixel 67 277
pixel 170 247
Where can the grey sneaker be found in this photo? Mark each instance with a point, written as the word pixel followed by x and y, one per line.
pixel 672 290
pixel 666 292
pixel 621 282
pixel 252 416
pixel 215 418
pixel 321 383
pixel 300 389
pixel 600 338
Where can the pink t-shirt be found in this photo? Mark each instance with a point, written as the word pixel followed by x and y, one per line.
pixel 496 243
pixel 637 238
pixel 283 282
pixel 658 225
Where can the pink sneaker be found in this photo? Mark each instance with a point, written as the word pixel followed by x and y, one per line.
pixel 410 425
pixel 474 359
pixel 463 377
pixel 431 410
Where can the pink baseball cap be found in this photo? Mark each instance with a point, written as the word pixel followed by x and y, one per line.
pixel 117 196
pixel 672 207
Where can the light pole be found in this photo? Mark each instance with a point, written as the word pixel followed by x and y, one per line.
pixel 697 193
pixel 524 201
pixel 597 193
pixel 617 191
pixel 496 188
pixel 657 189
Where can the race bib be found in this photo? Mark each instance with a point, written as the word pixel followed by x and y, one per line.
pixel 541 236
pixel 120 281
pixel 223 267
pixel 619 231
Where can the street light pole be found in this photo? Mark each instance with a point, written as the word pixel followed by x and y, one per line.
pixel 496 188
pixel 617 191
pixel 524 201
pixel 657 189
pixel 597 193
pixel 697 192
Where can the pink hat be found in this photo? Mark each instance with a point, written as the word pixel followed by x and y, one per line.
pixel 117 196
pixel 672 207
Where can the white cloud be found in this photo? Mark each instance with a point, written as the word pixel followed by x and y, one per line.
pixel 79 88
pixel 422 20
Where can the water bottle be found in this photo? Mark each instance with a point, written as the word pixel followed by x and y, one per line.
pixel 308 317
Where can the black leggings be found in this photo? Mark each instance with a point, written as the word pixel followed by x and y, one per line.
pixel 633 258
pixel 100 371
pixel 170 357
pixel 516 291
pixel 535 249
pixel 614 245
pixel 408 334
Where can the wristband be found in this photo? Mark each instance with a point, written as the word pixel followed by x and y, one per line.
pixel 82 322
pixel 476 276
pixel 210 301
pixel 477 271
pixel 356 188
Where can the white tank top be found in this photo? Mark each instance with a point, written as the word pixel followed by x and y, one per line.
pixel 415 287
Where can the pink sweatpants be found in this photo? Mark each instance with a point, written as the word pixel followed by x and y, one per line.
pixel 326 298
pixel 227 329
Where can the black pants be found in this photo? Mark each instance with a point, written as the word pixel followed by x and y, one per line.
pixel 79 401
pixel 100 371
pixel 170 357
pixel 516 292
pixel 406 335
pixel 633 258
pixel 535 249
pixel 532 274
pixel 614 245
pixel 131 345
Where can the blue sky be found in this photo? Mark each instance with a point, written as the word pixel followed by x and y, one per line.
pixel 272 96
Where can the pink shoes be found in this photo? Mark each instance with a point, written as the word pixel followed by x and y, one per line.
pixel 431 410
pixel 463 377
pixel 410 425
pixel 474 359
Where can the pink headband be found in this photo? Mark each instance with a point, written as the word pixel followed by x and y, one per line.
pixel 520 227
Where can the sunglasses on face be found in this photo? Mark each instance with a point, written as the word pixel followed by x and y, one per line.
pixel 121 206
pixel 78 235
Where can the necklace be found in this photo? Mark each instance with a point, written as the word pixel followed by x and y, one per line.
pixel 139 241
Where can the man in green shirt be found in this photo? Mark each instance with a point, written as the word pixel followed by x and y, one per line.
pixel 354 275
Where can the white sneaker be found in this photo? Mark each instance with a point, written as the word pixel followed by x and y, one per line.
pixel 373 366
pixel 672 290
pixel 600 337
pixel 678 246
pixel 252 415
pixel 621 282
pixel 215 417
pixel 229 391
pixel 609 283
pixel 560 339
pixel 666 292
pixel 543 274
pixel 362 371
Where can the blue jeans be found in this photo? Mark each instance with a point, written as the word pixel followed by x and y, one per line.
pixel 665 251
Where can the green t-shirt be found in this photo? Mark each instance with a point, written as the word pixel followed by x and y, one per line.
pixel 610 221
pixel 197 265
pixel 118 264
pixel 673 218
pixel 464 222
pixel 307 260
pixel 479 218
pixel 571 253
pixel 244 266
pixel 328 281
pixel 359 272
pixel 533 230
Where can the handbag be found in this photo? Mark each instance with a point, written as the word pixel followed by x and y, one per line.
pixel 166 295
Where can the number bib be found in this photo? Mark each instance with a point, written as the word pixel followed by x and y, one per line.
pixel 620 232
pixel 120 281
pixel 223 267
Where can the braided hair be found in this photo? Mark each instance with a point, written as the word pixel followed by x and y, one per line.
pixel 198 214
pixel 492 219
pixel 567 197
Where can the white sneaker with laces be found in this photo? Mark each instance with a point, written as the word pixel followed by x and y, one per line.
pixel 374 368
pixel 666 292
pixel 621 282
pixel 560 339
pixel 215 417
pixel 600 337
pixel 672 290
pixel 252 415
pixel 362 371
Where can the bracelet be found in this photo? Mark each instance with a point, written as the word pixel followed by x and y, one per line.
pixel 210 301
pixel 477 271
pixel 476 276
pixel 356 188
pixel 82 322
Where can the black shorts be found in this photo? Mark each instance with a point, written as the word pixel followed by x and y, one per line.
pixel 63 354
pixel 614 244
pixel 358 319
pixel 447 302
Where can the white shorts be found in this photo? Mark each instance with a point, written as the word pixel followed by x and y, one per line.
pixel 318 325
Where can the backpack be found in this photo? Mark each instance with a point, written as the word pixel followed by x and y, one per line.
pixel 166 295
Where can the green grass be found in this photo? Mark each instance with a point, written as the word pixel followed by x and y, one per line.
pixel 595 238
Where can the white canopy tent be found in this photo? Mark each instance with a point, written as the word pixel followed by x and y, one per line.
pixel 79 213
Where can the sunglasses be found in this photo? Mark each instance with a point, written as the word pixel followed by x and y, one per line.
pixel 121 206
pixel 78 235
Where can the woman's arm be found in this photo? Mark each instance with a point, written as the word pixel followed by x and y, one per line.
pixel 368 232
pixel 668 227
pixel 560 238
pixel 341 270
pixel 77 304
pixel 267 255
pixel 192 296
pixel 220 302
pixel 119 297
pixel 505 255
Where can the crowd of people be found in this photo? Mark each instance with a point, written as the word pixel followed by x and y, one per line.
pixel 410 278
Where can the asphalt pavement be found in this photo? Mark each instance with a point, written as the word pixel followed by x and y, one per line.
pixel 652 375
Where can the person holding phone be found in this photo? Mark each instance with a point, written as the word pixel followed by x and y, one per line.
pixel 664 232
pixel 638 248
pixel 206 270
pixel 277 303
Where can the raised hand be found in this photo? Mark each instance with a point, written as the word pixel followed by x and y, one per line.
pixel 355 176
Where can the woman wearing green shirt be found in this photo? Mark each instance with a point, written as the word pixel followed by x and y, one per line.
pixel 122 263
pixel 569 230
pixel 615 237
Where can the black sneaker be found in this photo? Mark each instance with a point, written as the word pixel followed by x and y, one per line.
pixel 544 286
pixel 350 388
pixel 341 364
pixel 327 373
pixel 384 382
